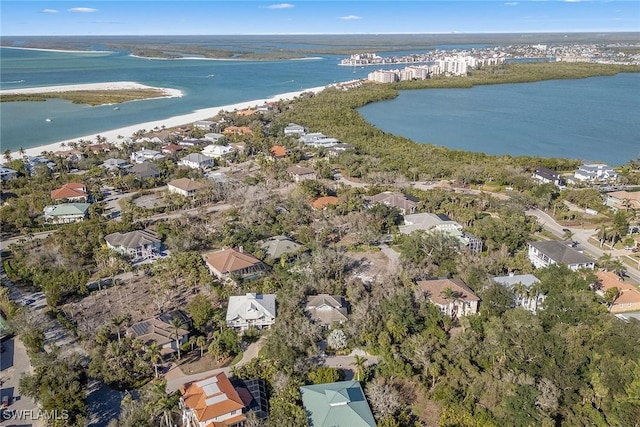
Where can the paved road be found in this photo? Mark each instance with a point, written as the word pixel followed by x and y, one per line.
pixel 4 243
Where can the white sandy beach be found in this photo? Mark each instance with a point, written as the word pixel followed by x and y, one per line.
pixel 89 86
pixel 203 114
pixel 56 50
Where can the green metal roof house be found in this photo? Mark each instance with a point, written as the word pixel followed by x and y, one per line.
pixel 340 404
pixel 66 212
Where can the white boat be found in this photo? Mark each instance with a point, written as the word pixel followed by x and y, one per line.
pixel 48 119
pixel 211 75
pixel 116 108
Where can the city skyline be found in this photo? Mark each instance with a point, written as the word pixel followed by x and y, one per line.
pixel 62 17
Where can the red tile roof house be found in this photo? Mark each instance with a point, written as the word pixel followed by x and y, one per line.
pixel 230 262
pixel 212 402
pixel 72 191
pixel 185 186
pixel 463 301
pixel 628 297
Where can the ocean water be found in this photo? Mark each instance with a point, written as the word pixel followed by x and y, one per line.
pixel 593 119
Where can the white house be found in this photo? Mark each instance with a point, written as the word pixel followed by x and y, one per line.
pixel 196 161
pixel 544 254
pixel 257 310
pixel 295 130
pixel 595 172
pixel 146 156
pixel 545 175
pixel 528 298
pixel 218 151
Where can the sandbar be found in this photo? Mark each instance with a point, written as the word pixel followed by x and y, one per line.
pixel 116 136
pixel 105 86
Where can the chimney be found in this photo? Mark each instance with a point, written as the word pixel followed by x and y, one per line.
pixel 241 249
pixel 511 274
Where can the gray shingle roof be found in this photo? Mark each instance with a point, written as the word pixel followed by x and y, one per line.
pixel 561 253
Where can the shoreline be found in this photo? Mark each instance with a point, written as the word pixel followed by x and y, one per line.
pixel 105 86
pixel 170 122
pixel 56 50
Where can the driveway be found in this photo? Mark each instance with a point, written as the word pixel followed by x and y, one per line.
pixel 347 363
pixel 15 362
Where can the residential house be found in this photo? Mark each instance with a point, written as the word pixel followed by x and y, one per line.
pixel 185 186
pixel 229 262
pixel 327 309
pixel 7 174
pixel 405 204
pixel 525 291
pixel 324 202
pixel 442 223
pixel 216 138
pixel 211 402
pixel 278 152
pixel 172 149
pixel 116 165
pixel 253 393
pixel 31 164
pixel 196 161
pixel 628 295
pixel 295 130
pixel 70 155
pixel 237 130
pixel 193 142
pixel 159 330
pixel 144 170
pixel 205 125
pixel 247 112
pixel 452 296
pixel 278 246
pixel 300 173
pixel 218 151
pixel 138 244
pixel 543 254
pixel 66 212
pixel 317 139
pixel 545 175
pixel 217 177
pixel 71 191
pixel 146 156
pixel 257 310
pixel 595 172
pixel 101 148
pixel 339 404
pixel 625 200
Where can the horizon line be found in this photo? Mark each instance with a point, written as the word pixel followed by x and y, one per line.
pixel 334 34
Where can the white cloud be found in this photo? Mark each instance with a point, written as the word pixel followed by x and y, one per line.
pixel 350 17
pixel 511 3
pixel 49 11
pixel 82 10
pixel 279 6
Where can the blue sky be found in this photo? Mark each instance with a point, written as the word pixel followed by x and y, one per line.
pixel 158 17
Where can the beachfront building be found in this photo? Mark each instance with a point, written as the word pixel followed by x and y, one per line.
pixel 317 139
pixel 31 164
pixel 384 76
pixel 545 175
pixel 595 172
pixel 442 223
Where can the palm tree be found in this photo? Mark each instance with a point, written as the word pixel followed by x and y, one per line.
pixel 603 232
pixel 7 155
pixel 201 341
pixel 449 296
pixel 22 152
pixel 177 325
pixel 154 356
pixel 117 322
pixel 359 362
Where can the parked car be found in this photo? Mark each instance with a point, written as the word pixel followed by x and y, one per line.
pixel 5 401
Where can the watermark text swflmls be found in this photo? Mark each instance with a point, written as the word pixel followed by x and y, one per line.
pixel 34 414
